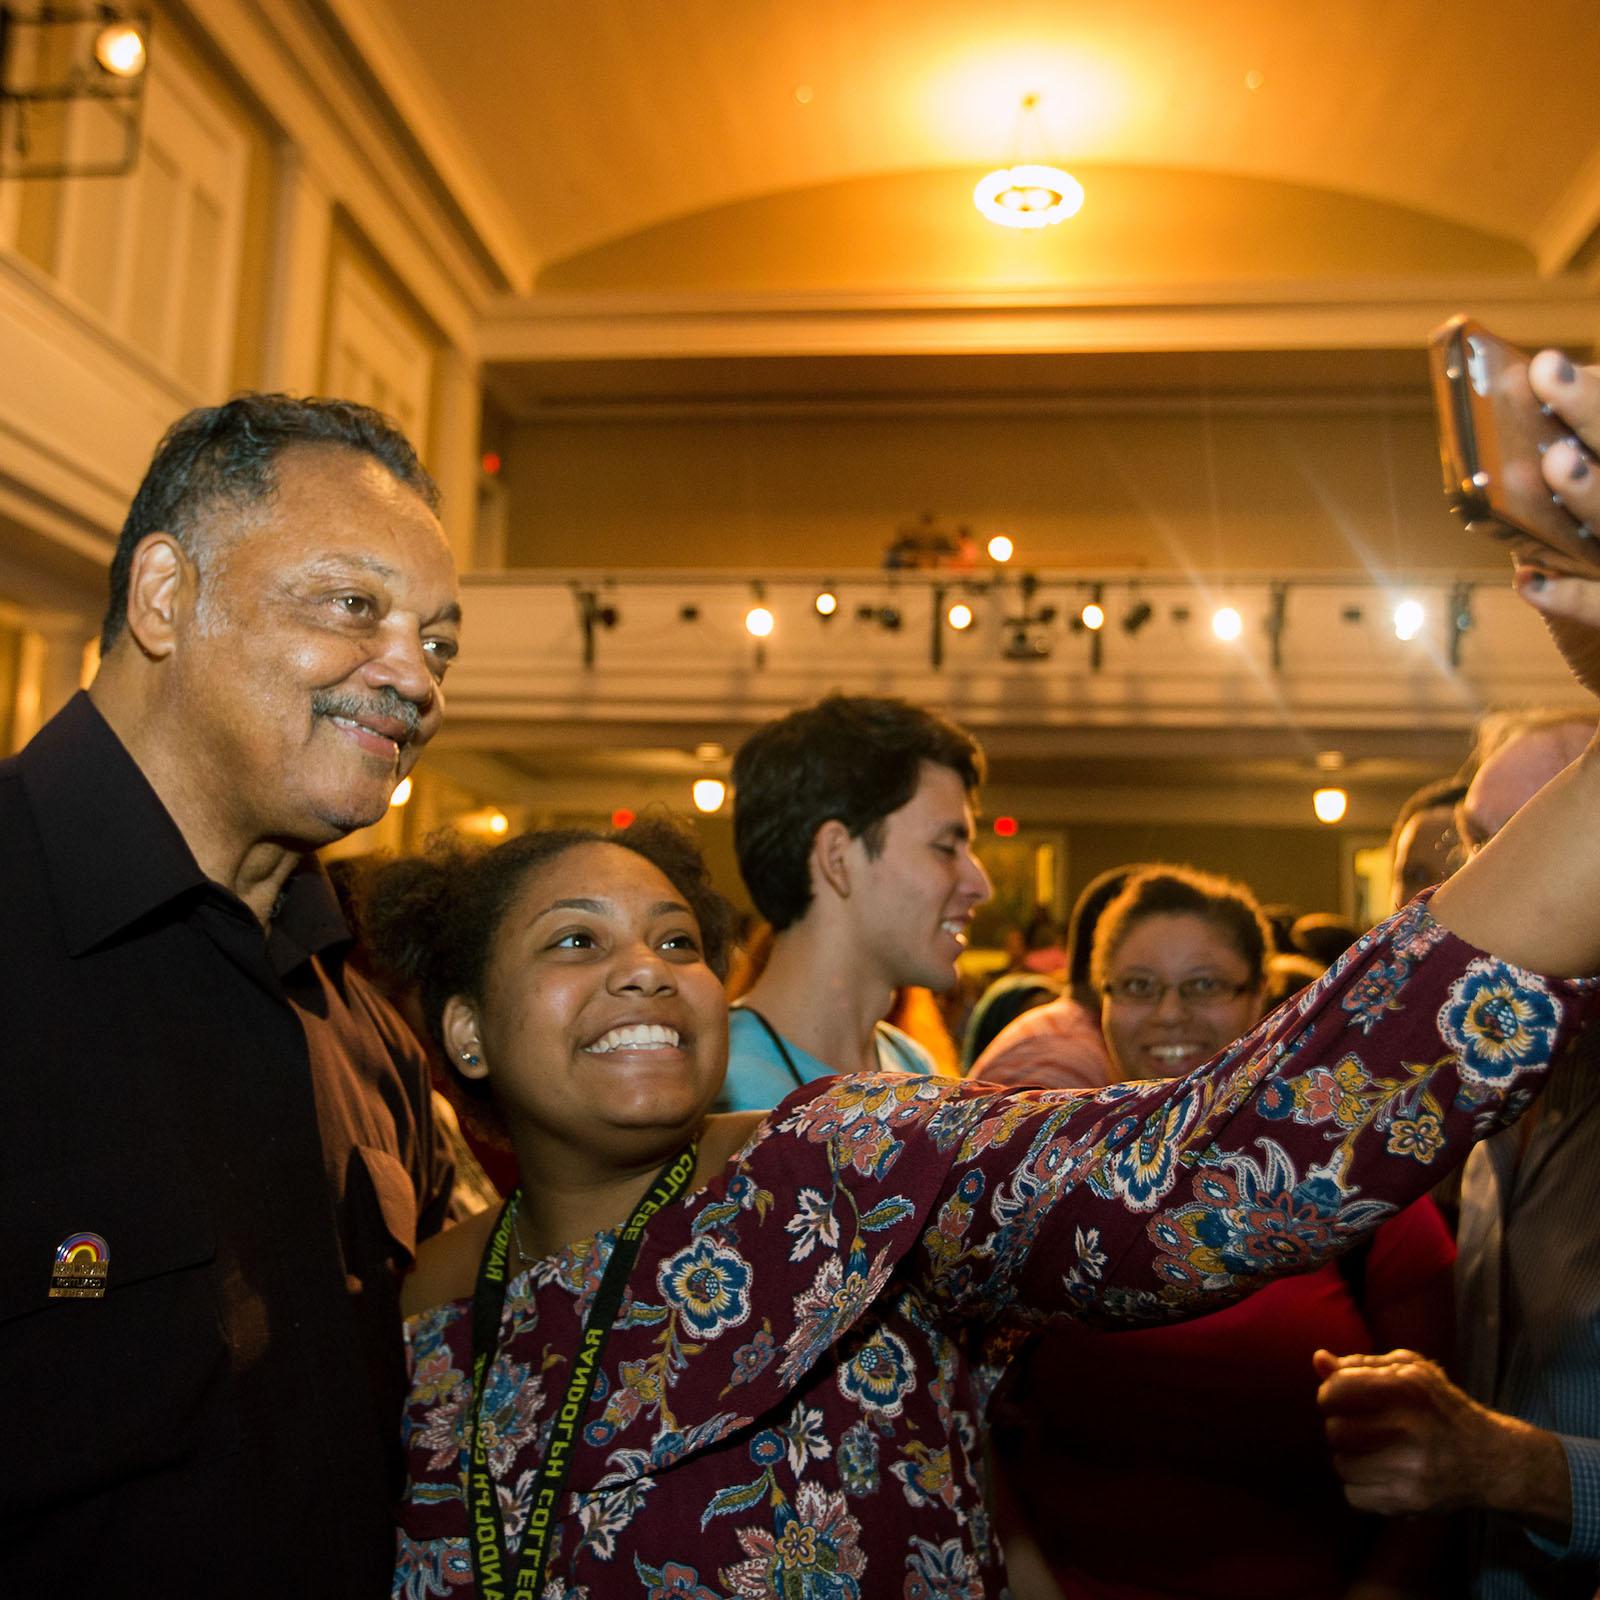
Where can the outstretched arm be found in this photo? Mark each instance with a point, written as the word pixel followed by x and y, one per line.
pixel 1528 895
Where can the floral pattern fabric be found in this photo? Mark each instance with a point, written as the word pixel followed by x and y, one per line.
pixel 790 1405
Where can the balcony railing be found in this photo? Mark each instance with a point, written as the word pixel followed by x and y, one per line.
pixel 1314 653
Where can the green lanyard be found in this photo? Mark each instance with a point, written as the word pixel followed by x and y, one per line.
pixel 491 1561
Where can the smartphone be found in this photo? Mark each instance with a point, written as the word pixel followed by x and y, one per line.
pixel 1493 433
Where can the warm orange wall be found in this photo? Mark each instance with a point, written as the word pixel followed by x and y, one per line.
pixel 1292 866
pixel 1271 491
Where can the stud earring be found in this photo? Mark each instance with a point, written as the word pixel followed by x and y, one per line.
pixel 470 1059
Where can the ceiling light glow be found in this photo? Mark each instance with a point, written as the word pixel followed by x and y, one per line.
pixel 709 793
pixel 827 602
pixel 402 792
pixel 959 616
pixel 1028 196
pixel 1001 548
pixel 1093 617
pixel 1329 805
pixel 758 622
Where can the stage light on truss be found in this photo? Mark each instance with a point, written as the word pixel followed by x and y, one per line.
pixel 1135 617
pixel 119 49
pixel 1093 616
pixel 959 616
pixel 1409 617
pixel 1227 624
pixel 1001 548
pixel 827 603
pixel 759 622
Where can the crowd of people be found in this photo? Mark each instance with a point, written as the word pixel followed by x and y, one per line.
pixel 501 1223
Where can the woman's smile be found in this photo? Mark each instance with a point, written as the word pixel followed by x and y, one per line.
pixel 653 1037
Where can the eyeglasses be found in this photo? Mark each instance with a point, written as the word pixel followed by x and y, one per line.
pixel 1140 989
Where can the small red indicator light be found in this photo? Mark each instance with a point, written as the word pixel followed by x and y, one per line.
pixel 1005 827
pixel 491 463
pixel 622 817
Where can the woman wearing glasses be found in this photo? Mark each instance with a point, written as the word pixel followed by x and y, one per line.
pixel 1192 1462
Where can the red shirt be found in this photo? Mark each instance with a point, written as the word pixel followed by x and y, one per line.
pixel 1190 1460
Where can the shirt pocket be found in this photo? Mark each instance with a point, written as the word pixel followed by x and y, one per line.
pixel 104 1389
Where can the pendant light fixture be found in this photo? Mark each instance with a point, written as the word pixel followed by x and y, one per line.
pixel 1029 193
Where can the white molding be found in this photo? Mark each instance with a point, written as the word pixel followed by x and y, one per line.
pixel 307 91
pixel 297 288
pixel 458 170
pixel 187 133
pixel 1216 317
pixel 522 670
pixel 376 353
pixel 80 410
pixel 1375 400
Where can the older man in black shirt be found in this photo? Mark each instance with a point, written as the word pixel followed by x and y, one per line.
pixel 216 1154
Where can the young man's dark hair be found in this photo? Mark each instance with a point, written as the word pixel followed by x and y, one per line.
pixel 227 454
pixel 852 759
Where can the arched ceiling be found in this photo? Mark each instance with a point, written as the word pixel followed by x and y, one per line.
pixel 694 209
pixel 568 126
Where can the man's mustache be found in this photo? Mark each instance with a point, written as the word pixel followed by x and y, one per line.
pixel 386 702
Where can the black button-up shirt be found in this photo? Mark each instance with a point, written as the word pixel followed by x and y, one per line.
pixel 246 1126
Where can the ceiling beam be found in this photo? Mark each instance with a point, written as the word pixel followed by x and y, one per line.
pixel 1565 241
pixel 1276 316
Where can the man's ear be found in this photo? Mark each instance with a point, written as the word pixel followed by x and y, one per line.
pixel 830 858
pixel 463 1038
pixel 162 581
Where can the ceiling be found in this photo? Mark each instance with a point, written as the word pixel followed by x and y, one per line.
pixel 566 125
pixel 694 204
pixel 710 201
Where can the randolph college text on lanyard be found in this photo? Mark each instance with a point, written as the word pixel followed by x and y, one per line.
pixel 490 1560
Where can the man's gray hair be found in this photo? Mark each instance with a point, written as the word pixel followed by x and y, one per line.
pixel 227 456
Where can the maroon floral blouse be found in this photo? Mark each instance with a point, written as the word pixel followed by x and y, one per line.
pixel 790 1406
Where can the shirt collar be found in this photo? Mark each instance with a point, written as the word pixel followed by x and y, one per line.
pixel 114 855
pixel 111 849
pixel 307 921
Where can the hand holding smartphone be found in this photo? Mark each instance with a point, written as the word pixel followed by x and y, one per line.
pixel 1493 433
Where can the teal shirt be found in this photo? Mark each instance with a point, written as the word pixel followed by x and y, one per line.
pixel 758 1077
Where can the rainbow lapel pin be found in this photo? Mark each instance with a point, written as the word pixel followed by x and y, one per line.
pixel 80 1269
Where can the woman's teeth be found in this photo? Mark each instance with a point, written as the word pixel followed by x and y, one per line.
pixel 956 929
pixel 636 1036
pixel 1173 1052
